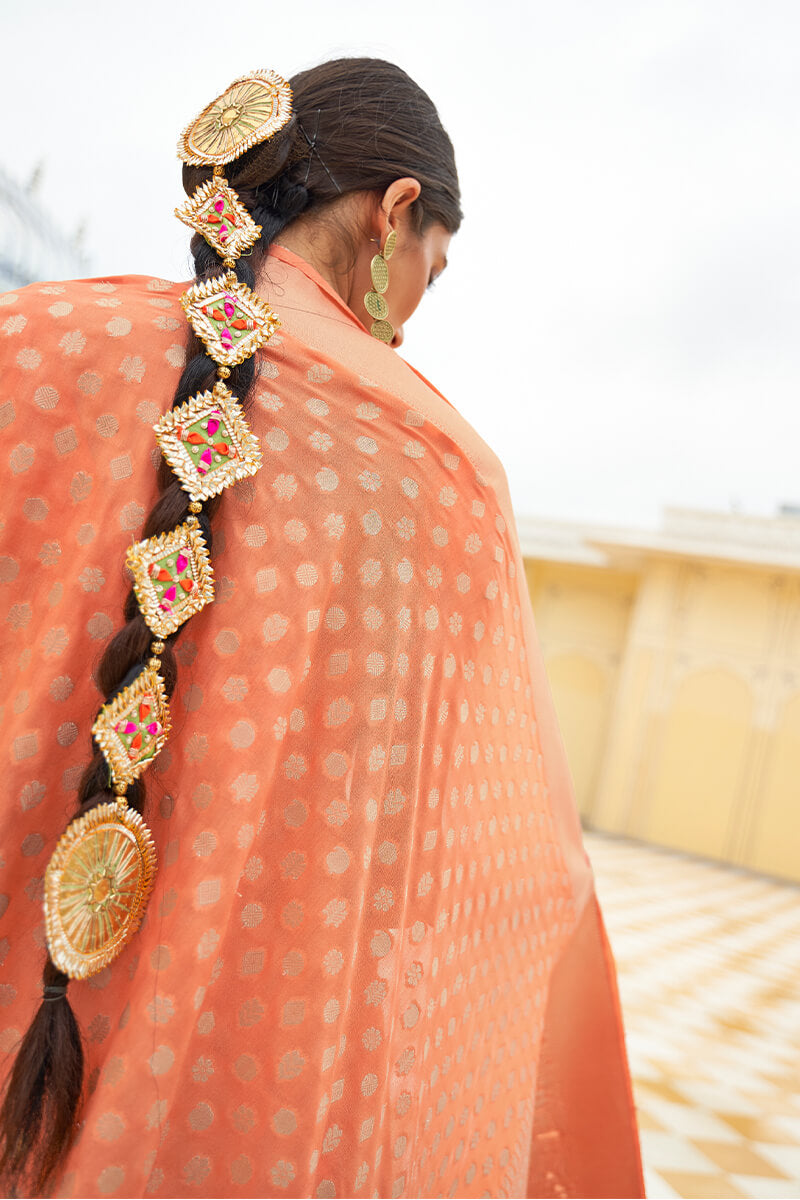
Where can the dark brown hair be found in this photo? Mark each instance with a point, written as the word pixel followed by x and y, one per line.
pixel 358 124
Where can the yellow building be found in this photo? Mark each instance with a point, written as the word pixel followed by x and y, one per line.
pixel 674 660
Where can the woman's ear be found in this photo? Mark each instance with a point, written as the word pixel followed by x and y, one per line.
pixel 398 198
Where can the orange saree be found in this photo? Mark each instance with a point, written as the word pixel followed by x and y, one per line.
pixel 373 962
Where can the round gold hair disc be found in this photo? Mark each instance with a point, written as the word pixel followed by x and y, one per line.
pixel 249 112
pixel 97 885
pixel 379 273
pixel 382 330
pixel 376 306
pixel 391 242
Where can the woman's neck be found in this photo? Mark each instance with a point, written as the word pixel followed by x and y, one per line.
pixel 314 247
pixel 325 241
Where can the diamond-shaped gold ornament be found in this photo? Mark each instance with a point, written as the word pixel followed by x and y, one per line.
pixel 208 443
pixel 229 318
pixel 133 728
pixel 217 213
pixel 172 577
pixel 96 888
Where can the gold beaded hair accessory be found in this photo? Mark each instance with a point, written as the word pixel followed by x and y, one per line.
pixel 101 873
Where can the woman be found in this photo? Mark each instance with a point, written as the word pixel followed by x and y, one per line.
pixel 372 962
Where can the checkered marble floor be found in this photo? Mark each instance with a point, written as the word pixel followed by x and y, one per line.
pixel 709 969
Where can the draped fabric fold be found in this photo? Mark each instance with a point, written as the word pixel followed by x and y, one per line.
pixel 373 962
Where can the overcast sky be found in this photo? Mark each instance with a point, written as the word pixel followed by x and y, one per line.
pixel 620 315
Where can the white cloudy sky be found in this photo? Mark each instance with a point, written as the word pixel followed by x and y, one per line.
pixel 620 317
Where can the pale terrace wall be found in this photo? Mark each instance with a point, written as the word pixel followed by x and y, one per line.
pixel 674 660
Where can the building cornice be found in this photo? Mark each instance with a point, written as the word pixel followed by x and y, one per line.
pixel 730 538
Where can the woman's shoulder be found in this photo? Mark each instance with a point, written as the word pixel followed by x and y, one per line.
pixel 102 291
pixel 65 313
pixel 72 335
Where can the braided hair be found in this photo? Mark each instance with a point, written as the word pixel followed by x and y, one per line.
pixel 358 125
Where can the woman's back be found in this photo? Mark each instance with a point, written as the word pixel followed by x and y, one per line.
pixel 372 961
pixel 363 886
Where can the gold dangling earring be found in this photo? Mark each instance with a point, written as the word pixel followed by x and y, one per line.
pixel 374 301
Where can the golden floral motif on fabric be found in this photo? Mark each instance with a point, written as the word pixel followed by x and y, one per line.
pixel 208 443
pixel 97 885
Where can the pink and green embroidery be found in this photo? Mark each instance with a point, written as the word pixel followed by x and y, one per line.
pixel 172 578
pixel 222 217
pixel 207 442
pixel 139 730
pixel 230 322
pixel 216 212
pixel 131 729
pixel 230 318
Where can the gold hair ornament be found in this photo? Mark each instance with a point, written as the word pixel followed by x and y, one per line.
pixel 207 443
pixel 232 321
pixel 100 876
pixel 172 577
pixel 249 112
pixel 132 728
pixel 218 214
pixel 96 888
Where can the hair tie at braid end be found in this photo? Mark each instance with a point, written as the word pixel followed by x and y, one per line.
pixel 55 991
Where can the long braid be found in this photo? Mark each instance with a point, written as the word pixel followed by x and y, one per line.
pixel 37 1119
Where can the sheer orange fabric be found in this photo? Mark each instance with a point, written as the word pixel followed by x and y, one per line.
pixel 373 963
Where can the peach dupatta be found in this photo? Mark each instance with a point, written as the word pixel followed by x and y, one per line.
pixel 373 963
